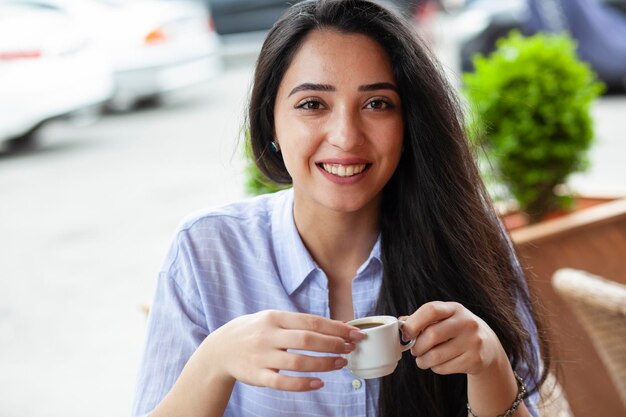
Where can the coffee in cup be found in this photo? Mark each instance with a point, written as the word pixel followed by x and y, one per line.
pixel 378 354
pixel 364 326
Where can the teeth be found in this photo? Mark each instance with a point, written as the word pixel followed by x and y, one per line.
pixel 344 170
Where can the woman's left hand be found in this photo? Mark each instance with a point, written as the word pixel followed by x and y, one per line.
pixel 452 340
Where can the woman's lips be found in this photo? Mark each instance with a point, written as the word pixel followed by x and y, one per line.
pixel 344 170
pixel 344 173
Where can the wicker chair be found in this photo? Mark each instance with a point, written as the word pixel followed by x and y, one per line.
pixel 600 306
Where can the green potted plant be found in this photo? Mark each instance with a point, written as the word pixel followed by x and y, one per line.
pixel 530 102
pixel 257 183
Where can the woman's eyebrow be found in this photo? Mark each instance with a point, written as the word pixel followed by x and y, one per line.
pixel 311 87
pixel 328 87
pixel 378 86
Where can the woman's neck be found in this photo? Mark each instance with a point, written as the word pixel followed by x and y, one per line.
pixel 339 242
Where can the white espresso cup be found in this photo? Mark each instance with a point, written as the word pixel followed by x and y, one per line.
pixel 379 353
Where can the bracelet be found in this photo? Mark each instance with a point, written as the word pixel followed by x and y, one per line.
pixel 521 394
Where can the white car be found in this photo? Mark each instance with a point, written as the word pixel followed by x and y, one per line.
pixel 154 46
pixel 48 69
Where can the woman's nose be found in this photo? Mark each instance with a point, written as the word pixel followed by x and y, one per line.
pixel 344 130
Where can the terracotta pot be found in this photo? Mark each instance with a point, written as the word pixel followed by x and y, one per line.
pixel 517 219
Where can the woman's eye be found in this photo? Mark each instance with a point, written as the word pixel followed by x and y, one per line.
pixel 379 104
pixel 310 105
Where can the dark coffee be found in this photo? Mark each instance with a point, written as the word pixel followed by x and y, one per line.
pixel 364 326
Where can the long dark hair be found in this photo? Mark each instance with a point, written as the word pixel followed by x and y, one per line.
pixel 441 239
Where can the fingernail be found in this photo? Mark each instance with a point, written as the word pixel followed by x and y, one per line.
pixel 348 347
pixel 317 384
pixel 405 338
pixel 340 363
pixel 357 335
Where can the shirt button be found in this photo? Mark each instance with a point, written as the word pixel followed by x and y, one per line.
pixel 356 384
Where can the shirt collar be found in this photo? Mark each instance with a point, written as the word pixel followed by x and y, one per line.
pixel 374 256
pixel 295 264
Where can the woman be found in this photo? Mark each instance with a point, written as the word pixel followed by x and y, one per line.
pixel 387 215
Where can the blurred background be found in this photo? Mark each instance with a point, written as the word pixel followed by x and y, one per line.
pixel 120 117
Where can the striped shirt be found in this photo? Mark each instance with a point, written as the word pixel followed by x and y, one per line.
pixel 237 260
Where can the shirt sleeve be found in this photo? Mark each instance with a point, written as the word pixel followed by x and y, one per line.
pixel 176 327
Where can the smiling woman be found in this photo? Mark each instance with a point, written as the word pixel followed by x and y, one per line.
pixel 340 131
pixel 387 216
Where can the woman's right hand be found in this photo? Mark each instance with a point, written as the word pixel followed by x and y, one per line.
pixel 253 348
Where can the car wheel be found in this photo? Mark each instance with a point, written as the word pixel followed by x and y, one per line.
pixel 120 103
pixel 149 102
pixel 26 141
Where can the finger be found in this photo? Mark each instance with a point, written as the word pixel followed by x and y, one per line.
pixel 439 355
pixel 316 342
pixel 319 324
pixel 456 365
pixel 436 334
pixel 273 379
pixel 426 315
pixel 304 363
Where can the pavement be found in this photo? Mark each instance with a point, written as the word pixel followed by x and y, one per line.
pixel 607 171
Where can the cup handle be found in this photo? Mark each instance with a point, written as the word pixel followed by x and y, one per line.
pixel 410 344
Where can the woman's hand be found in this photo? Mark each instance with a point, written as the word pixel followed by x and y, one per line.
pixel 253 348
pixel 451 340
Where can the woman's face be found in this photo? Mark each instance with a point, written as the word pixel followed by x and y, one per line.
pixel 338 121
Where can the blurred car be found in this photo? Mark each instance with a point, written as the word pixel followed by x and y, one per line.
pixel 154 46
pixel 598 26
pixel 242 16
pixel 48 69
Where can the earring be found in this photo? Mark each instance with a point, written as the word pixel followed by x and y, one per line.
pixel 274 146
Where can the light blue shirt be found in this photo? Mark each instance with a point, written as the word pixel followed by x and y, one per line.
pixel 237 260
